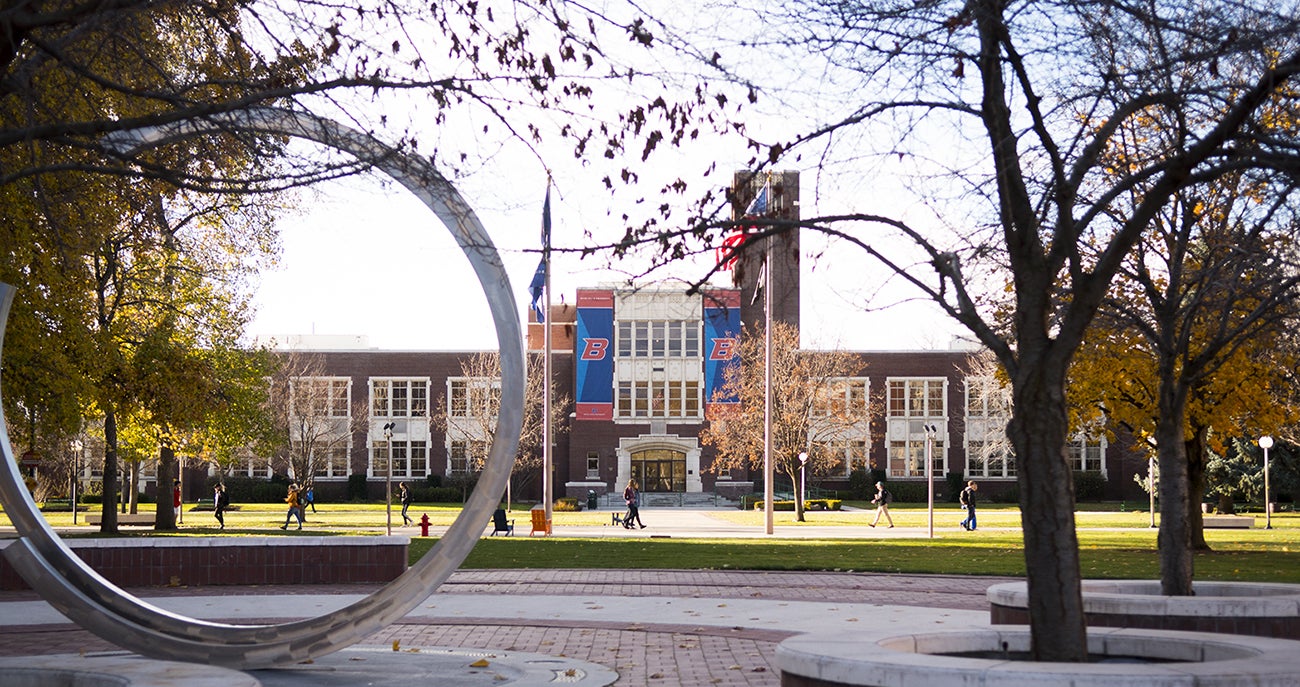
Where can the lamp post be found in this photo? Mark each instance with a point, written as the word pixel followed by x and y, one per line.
pixel 803 480
pixel 1266 443
pixel 930 431
pixel 1151 487
pixel 388 476
pixel 76 468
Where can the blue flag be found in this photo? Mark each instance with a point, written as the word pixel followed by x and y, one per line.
pixel 539 277
pixel 759 205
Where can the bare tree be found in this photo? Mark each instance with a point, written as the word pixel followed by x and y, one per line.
pixel 469 416
pixel 991 122
pixel 817 405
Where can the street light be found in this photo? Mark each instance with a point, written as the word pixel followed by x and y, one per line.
pixel 930 431
pixel 803 479
pixel 1266 443
pixel 388 477
pixel 76 468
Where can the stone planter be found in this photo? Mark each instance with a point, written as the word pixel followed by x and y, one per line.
pixel 940 659
pixel 1244 608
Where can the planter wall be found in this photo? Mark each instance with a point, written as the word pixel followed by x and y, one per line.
pixel 1186 659
pixel 1243 608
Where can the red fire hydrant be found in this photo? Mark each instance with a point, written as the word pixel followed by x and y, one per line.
pixel 424 525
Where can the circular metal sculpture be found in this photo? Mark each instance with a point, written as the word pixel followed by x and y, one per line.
pixel 106 610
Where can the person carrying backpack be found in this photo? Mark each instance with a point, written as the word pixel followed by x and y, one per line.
pixel 967 500
pixel 219 502
pixel 882 501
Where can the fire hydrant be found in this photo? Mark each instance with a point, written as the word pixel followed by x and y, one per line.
pixel 424 525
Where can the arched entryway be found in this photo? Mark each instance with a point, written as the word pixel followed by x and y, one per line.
pixel 659 469
pixel 660 463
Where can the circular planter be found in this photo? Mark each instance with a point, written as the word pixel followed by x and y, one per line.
pixel 1243 608
pixel 937 659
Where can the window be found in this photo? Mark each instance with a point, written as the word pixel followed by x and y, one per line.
pixel 842 398
pixel 659 399
pixel 410 459
pixel 1087 454
pixel 334 462
pixel 658 339
pixel 988 408
pixel 912 405
pixel 464 456
pixel 593 465
pixel 477 397
pixel 320 396
pixel 841 456
pixel 399 397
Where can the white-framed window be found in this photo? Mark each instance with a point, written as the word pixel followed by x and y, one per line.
pixel 841 455
pixel 1087 454
pixel 658 339
pixel 334 462
pixel 914 404
pixel 398 397
pixel 593 465
pixel 844 397
pixel 410 458
pixel 473 397
pixel 660 398
pixel 988 409
pixel 464 454
pixel 320 396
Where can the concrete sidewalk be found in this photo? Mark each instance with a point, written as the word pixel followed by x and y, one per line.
pixel 660 627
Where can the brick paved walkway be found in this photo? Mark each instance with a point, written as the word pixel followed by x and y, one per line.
pixel 642 651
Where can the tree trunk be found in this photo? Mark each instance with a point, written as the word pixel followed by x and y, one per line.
pixel 165 514
pixel 108 509
pixel 1196 459
pixel 1174 540
pixel 1038 429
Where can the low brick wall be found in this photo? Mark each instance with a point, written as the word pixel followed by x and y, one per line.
pixel 200 561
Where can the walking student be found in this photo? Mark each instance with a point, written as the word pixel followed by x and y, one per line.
pixel 219 503
pixel 405 497
pixel 295 507
pixel 967 499
pixel 631 495
pixel 882 501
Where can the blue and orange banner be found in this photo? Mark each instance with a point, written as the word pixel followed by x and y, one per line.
pixel 595 355
pixel 721 346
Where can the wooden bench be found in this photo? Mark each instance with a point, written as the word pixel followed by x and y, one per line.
pixel 540 523
pixel 140 519
pixel 1227 522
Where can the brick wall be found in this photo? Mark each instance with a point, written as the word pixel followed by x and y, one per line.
pixel 200 561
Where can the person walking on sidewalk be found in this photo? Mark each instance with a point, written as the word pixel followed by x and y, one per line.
pixel 295 507
pixel 967 500
pixel 405 497
pixel 219 503
pixel 882 501
pixel 631 495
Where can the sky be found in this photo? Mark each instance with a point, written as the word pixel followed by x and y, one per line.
pixel 367 258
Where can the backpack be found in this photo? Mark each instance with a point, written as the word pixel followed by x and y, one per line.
pixel 966 496
pixel 886 497
pixel 225 499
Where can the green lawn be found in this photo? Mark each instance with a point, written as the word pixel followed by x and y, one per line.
pixel 1113 544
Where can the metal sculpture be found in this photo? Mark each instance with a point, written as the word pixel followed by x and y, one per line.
pixel 108 611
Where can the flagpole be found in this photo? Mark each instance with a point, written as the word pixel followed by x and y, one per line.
pixel 547 459
pixel 768 472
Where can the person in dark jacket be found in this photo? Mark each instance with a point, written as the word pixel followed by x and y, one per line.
pixel 631 496
pixel 967 500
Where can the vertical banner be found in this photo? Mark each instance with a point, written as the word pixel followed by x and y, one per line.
pixel 594 348
pixel 721 346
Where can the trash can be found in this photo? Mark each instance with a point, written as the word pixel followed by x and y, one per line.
pixel 592 500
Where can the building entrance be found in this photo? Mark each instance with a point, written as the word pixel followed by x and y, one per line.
pixel 659 470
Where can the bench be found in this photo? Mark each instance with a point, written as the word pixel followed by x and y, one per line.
pixel 540 523
pixel 1227 522
pixel 140 519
